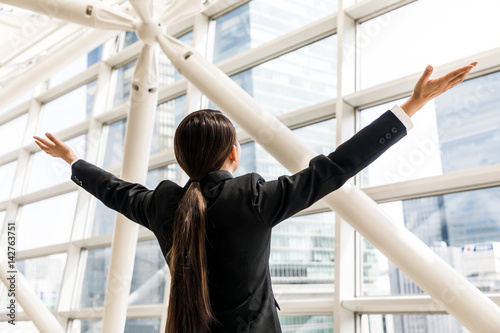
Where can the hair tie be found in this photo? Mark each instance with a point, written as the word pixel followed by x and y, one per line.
pixel 195 180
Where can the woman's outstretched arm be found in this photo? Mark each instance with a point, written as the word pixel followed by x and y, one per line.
pixel 55 147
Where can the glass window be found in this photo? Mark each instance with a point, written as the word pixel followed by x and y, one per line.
pixel 12 133
pixel 444 37
pixel 168 115
pixel 320 137
pixel 302 250
pixel 52 218
pixel 139 325
pixel 44 274
pixel 130 38
pixel 260 21
pixel 69 109
pixel 456 131
pixel 307 324
pixel 23 98
pixel 155 176
pixel 79 65
pixel 47 171
pixel 386 323
pixel 148 279
pixel 7 173
pixel 124 77
pixel 295 80
pixel 114 144
pixel 20 327
pixel 463 228
pixel 167 74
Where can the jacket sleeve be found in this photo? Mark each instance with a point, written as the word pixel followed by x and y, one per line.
pixel 277 200
pixel 130 199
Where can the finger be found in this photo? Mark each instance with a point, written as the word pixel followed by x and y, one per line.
pixel 44 141
pixel 425 75
pixel 457 72
pixel 457 80
pixel 41 145
pixel 53 139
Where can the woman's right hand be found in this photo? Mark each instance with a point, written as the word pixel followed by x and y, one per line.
pixel 426 89
pixel 55 147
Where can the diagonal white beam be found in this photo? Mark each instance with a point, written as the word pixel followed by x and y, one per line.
pixel 180 10
pixel 140 122
pixel 143 9
pixel 90 13
pixel 444 284
pixel 38 313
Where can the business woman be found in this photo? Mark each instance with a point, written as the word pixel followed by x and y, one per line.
pixel 215 231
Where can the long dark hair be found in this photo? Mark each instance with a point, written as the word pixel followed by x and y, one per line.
pixel 202 143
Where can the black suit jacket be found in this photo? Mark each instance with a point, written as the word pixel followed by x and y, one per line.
pixel 241 214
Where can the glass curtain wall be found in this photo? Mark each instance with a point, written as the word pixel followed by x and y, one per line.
pixel 285 54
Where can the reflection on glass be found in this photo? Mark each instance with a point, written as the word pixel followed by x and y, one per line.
pixel 456 131
pixel 7 173
pixel 301 78
pixel 12 133
pixel 130 38
pixel 47 171
pixel 124 77
pixel 439 41
pixel 306 324
pixel 463 228
pixel 77 66
pixel 260 21
pixel 155 176
pixel 410 323
pixel 47 222
pixel 69 109
pixel 167 74
pixel 23 98
pixel 114 144
pixel 104 220
pixel 148 279
pixel 168 115
pixel 140 325
pixel 44 274
pixel 302 249
pixel 320 137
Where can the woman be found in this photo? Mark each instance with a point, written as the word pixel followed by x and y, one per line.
pixel 215 231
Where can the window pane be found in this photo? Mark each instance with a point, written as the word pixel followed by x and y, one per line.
pixel 411 323
pixel 124 77
pixel 148 279
pixel 94 279
pixel 76 67
pixel 20 327
pixel 12 133
pixel 155 176
pixel 443 38
pixel 69 109
pixel 302 250
pixel 114 144
pixel 7 173
pixel 260 21
pixel 463 228
pixel 130 38
pixel 23 98
pixel 168 115
pixel 295 80
pixel 307 324
pixel 140 325
pixel 52 218
pixel 44 274
pixel 167 74
pixel 47 171
pixel 456 131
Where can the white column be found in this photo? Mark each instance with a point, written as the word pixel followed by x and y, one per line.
pixel 140 124
pixel 451 290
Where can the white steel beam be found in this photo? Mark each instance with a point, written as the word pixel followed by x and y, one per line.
pixel 451 290
pixel 140 122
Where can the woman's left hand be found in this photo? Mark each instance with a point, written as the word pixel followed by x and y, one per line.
pixel 55 147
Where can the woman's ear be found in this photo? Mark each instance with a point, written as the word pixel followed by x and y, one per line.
pixel 232 154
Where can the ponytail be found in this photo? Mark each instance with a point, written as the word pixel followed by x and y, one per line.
pixel 189 304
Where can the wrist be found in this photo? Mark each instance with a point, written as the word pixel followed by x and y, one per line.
pixel 412 105
pixel 70 158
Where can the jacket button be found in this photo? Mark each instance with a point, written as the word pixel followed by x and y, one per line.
pixel 394 130
pixel 381 141
pixel 388 136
